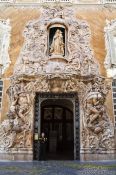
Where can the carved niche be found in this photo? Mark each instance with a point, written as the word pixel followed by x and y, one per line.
pixel 57 41
pixel 72 68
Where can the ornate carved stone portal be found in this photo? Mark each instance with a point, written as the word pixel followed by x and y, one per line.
pixel 56 57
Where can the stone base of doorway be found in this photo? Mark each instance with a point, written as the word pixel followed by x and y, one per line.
pixel 97 157
pixel 29 157
pixel 16 156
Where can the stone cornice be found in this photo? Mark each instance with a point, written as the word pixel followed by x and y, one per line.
pixel 42 2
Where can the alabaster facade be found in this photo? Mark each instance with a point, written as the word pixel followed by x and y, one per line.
pixel 58 49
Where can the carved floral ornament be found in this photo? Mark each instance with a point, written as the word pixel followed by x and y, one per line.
pixel 75 71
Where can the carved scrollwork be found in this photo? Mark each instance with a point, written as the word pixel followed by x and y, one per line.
pixel 7 136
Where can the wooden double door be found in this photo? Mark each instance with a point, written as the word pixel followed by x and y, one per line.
pixel 57 123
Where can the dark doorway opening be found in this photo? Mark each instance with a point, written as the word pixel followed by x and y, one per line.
pixel 58 124
pixel 57 114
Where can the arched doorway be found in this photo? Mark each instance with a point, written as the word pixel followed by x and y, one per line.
pixel 58 124
pixel 57 114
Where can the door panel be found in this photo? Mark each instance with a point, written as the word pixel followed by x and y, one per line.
pixel 54 121
pixel 57 123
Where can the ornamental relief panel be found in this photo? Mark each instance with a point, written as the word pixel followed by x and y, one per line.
pixel 56 43
pixel 97 133
pixel 59 62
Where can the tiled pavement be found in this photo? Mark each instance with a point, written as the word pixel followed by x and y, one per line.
pixel 58 168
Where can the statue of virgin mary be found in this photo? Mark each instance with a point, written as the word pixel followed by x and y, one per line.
pixel 57 46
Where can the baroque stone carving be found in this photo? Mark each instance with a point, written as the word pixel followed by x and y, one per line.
pixel 5 29
pixel 110 42
pixel 16 131
pixel 36 71
pixel 97 129
pixel 34 58
pixel 96 126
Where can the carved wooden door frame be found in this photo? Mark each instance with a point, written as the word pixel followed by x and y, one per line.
pixel 39 98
